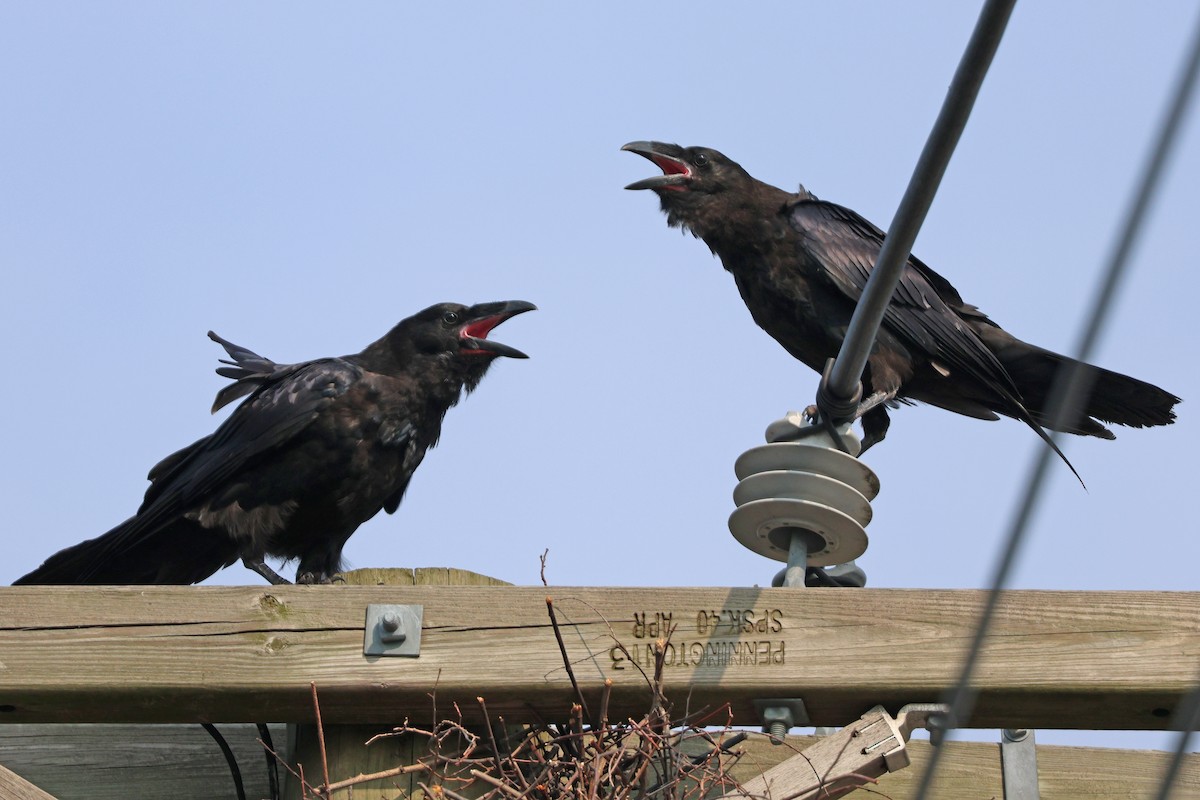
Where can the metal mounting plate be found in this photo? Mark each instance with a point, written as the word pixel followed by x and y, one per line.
pixel 393 630
pixel 1018 764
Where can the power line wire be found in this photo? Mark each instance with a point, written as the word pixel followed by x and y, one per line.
pixel 1185 720
pixel 1069 383
pixel 922 186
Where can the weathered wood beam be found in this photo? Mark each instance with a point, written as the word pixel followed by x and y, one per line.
pixel 242 654
pixel 118 762
pixel 113 762
pixel 14 787
pixel 972 769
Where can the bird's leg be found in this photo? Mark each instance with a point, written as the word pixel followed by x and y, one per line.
pixel 875 424
pixel 832 410
pixel 260 566
pixel 309 578
pixel 871 402
pixel 819 424
pixel 872 412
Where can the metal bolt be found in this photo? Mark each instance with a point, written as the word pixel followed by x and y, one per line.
pixel 392 624
pixel 1016 734
pixel 777 721
pixel 939 724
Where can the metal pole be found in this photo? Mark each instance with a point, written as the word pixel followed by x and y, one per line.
pixel 960 98
pixel 797 561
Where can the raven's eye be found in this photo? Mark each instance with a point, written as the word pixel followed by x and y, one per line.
pixel 700 160
pixel 450 318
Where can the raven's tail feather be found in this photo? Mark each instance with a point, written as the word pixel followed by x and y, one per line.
pixel 1108 397
pixel 180 552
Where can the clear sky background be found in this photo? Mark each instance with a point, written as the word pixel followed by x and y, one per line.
pixel 298 177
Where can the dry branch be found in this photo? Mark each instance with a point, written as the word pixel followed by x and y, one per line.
pixel 652 757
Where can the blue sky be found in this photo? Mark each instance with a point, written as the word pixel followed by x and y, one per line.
pixel 298 177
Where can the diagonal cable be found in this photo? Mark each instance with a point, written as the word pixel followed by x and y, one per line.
pixel 927 176
pixel 1186 720
pixel 1070 383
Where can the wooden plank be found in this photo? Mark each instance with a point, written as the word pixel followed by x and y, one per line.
pixel 241 654
pixel 14 787
pixel 346 753
pixel 972 770
pixel 418 576
pixel 116 762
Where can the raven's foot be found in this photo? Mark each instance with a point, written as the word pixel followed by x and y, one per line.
pixel 260 566
pixel 871 413
pixel 816 425
pixel 875 422
pixel 312 579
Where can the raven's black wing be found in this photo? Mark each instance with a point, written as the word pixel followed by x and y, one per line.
pixel 926 312
pixel 248 370
pixel 263 426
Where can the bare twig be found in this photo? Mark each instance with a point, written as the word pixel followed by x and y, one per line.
pixel 499 784
pixel 375 776
pixel 545 553
pixel 653 757
pixel 562 648
pixel 613 635
pixel 321 739
pixel 605 695
pixel 304 787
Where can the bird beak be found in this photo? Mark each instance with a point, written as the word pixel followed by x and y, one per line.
pixel 481 319
pixel 669 158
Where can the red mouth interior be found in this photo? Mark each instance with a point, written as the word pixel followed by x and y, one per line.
pixel 670 166
pixel 480 328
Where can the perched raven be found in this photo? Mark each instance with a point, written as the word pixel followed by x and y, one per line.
pixel 801 265
pixel 317 449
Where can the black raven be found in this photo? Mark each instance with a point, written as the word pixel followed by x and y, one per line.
pixel 317 449
pixel 801 265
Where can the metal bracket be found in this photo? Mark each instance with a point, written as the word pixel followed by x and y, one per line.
pixel 1018 764
pixel 393 630
pixel 841 762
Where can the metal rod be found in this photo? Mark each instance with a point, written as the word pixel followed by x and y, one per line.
pixel 926 177
pixel 797 561
pixel 1066 386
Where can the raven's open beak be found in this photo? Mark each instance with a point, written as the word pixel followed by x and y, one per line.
pixel 669 158
pixel 481 318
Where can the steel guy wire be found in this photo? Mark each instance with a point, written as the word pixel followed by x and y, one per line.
pixel 1068 384
pixel 927 176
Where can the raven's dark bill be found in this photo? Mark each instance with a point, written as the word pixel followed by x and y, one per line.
pixel 474 333
pixel 676 172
